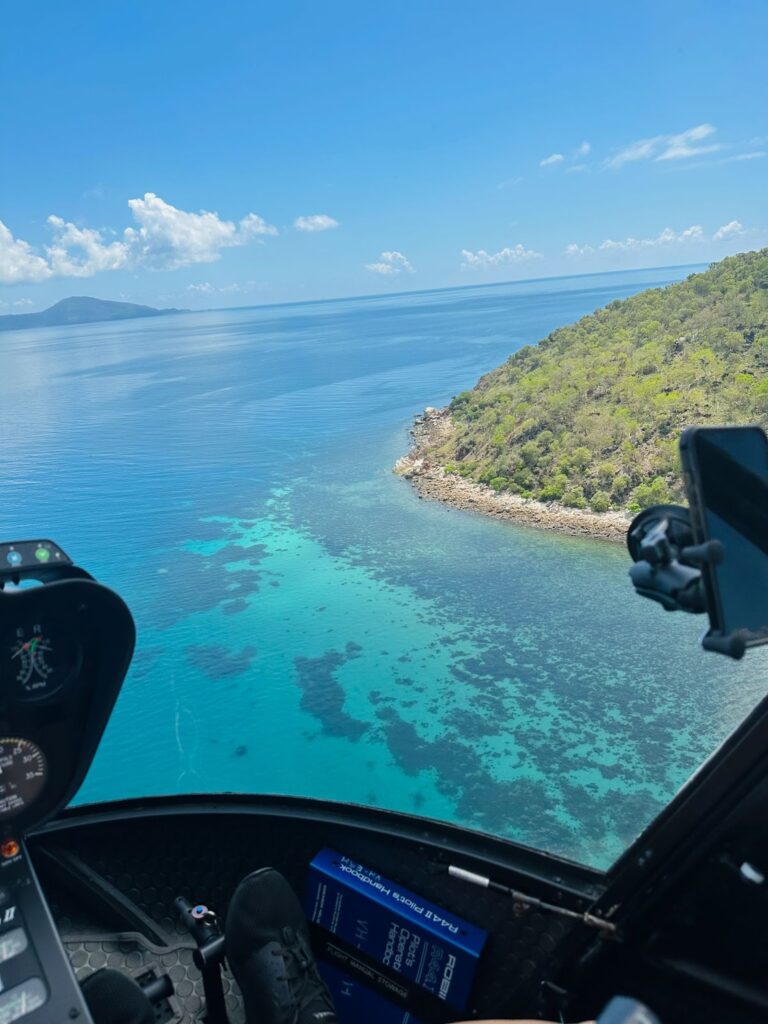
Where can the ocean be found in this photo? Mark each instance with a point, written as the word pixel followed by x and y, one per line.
pixel 306 624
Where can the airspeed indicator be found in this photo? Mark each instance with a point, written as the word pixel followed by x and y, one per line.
pixel 23 773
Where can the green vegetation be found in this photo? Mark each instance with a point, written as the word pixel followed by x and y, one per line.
pixel 591 416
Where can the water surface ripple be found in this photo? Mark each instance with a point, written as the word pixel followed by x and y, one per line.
pixel 306 624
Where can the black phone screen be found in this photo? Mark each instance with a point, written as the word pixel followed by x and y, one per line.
pixel 731 467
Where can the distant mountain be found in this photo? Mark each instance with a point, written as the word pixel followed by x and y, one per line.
pixel 80 309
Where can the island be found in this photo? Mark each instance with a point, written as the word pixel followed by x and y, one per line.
pixel 80 309
pixel 580 431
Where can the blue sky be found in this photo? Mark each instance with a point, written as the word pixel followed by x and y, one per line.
pixel 234 153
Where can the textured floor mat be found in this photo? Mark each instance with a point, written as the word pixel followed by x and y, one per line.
pixel 133 954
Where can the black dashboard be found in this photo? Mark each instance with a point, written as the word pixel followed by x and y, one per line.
pixel 66 642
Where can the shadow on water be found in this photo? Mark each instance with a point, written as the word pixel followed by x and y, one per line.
pixel 306 624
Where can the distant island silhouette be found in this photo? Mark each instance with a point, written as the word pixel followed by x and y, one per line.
pixel 80 309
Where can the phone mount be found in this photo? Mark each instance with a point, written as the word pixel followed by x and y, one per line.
pixel 668 567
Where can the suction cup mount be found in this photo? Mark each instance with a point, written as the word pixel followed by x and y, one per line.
pixel 668 568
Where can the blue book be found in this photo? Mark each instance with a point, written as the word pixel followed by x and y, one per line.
pixel 394 927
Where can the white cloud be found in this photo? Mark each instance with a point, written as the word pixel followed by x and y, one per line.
pixel 729 230
pixel 315 222
pixel 391 263
pixel 23 302
pixel 92 253
pixel 510 182
pixel 695 234
pixel 483 260
pixel 18 263
pixel 681 146
pixel 578 250
pixel 667 147
pixel 206 288
pixel 577 169
pixel 758 155
pixel 577 154
pixel 165 238
pixel 168 238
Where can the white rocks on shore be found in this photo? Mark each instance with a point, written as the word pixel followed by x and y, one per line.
pixel 430 479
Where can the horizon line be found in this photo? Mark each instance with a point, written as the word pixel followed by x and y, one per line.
pixel 384 295
pixel 445 288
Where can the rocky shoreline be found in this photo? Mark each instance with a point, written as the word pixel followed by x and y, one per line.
pixel 429 478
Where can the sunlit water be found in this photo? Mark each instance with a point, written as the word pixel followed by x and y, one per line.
pixel 306 624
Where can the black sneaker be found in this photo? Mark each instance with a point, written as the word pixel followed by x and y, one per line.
pixel 267 941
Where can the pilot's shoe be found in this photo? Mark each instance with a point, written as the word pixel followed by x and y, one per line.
pixel 267 941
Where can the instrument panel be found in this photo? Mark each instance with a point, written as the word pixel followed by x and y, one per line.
pixel 65 645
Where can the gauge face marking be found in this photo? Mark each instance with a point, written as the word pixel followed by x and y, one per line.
pixel 23 774
pixel 34 668
pixel 38 659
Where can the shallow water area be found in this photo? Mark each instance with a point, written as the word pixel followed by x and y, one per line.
pixel 306 624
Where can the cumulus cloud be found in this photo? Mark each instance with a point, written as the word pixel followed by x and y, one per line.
pixel 667 147
pixel 483 260
pixel 391 263
pixel 164 238
pixel 694 234
pixel 82 252
pixel 548 161
pixel 168 238
pixel 18 263
pixel 583 150
pixel 315 222
pixel 578 250
pixel 729 230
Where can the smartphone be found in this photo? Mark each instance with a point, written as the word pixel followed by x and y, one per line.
pixel 726 479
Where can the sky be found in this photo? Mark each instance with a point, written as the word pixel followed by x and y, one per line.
pixel 237 153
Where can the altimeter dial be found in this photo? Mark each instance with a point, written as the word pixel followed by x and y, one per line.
pixel 23 773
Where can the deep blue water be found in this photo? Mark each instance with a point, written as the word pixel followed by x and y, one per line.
pixel 306 624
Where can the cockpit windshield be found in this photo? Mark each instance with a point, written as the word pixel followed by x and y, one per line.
pixel 297 231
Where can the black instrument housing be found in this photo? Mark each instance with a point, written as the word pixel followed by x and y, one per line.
pixel 68 724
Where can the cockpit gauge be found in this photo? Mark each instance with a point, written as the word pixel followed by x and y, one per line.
pixel 38 660
pixel 23 773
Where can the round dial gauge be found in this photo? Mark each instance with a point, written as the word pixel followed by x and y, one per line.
pixel 39 659
pixel 23 772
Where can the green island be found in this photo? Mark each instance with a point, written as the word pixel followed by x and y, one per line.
pixel 589 418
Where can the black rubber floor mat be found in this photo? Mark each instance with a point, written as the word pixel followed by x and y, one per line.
pixel 133 954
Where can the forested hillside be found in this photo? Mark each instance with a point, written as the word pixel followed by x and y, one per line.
pixel 591 416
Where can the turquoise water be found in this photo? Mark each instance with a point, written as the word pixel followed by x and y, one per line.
pixel 306 624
